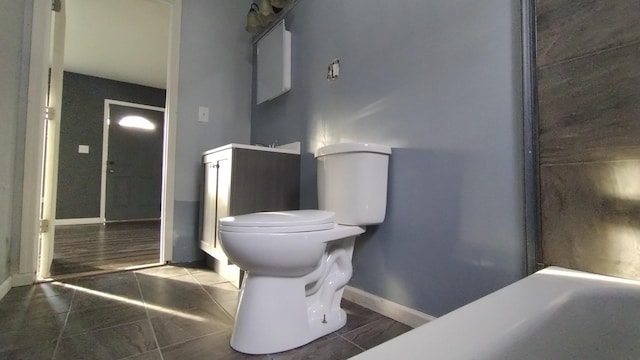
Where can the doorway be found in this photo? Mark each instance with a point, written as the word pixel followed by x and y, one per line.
pixel 163 177
pixel 127 233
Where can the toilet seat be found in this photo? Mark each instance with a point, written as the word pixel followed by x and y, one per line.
pixel 294 221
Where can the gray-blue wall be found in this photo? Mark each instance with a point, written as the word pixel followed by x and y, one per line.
pixel 79 175
pixel 215 71
pixel 440 82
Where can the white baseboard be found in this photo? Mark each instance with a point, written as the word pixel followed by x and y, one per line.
pixel 22 279
pixel 79 221
pixel 397 312
pixel 5 287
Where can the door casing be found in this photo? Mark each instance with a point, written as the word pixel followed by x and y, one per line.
pixel 33 159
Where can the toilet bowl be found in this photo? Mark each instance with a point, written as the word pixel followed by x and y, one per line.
pixel 297 262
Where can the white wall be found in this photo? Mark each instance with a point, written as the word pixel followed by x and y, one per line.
pixel 12 112
pixel 215 71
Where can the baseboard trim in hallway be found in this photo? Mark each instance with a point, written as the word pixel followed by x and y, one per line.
pixel 101 272
pixel 395 311
pixel 80 221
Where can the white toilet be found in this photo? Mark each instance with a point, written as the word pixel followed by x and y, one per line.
pixel 298 262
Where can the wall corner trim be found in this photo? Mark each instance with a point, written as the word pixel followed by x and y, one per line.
pixel 22 279
pixel 5 287
pixel 395 311
pixel 15 280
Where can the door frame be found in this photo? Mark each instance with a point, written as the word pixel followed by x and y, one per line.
pixel 34 140
pixel 105 147
pixel 52 139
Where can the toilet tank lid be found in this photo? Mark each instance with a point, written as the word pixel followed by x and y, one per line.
pixel 352 147
pixel 280 219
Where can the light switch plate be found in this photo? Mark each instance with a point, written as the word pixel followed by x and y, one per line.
pixel 203 114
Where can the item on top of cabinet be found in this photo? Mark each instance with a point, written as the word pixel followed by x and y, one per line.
pixel 274 63
pixel 255 23
pixel 281 4
pixel 266 11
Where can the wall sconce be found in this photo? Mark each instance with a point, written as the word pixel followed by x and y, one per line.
pixel 137 122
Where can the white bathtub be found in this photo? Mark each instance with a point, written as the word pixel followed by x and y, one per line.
pixel 553 314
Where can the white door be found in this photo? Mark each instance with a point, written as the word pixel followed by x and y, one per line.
pixel 50 181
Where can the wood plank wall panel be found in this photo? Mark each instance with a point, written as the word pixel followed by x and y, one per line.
pixel 589 108
pixel 571 28
pixel 588 66
pixel 591 216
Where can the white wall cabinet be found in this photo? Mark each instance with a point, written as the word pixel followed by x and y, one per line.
pixel 274 64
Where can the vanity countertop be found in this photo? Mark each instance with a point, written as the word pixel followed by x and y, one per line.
pixel 292 148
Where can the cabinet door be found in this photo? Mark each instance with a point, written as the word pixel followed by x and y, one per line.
pixel 223 205
pixel 209 207
pixel 223 196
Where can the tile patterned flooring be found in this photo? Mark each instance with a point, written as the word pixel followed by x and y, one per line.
pixel 168 312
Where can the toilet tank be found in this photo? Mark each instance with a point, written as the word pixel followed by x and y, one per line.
pixel 352 182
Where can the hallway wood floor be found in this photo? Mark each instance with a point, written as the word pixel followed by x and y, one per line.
pixel 98 247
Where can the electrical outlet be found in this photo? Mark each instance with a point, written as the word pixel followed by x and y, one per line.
pixel 333 70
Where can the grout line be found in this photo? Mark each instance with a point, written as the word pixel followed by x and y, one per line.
pixel 136 355
pixel 232 317
pixel 228 314
pixel 588 54
pixel 352 343
pixel 104 327
pixel 571 163
pixel 146 310
pixel 363 326
pixel 66 319
pixel 197 337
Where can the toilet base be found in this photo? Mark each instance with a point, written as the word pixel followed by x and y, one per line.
pixel 273 316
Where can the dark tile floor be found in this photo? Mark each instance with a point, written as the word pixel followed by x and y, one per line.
pixel 168 312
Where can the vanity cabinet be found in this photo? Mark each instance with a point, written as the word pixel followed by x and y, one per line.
pixel 241 179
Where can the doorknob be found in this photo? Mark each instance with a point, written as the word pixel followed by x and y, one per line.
pixel 111 171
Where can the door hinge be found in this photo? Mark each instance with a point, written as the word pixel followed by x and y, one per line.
pixel 56 5
pixel 49 113
pixel 44 226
